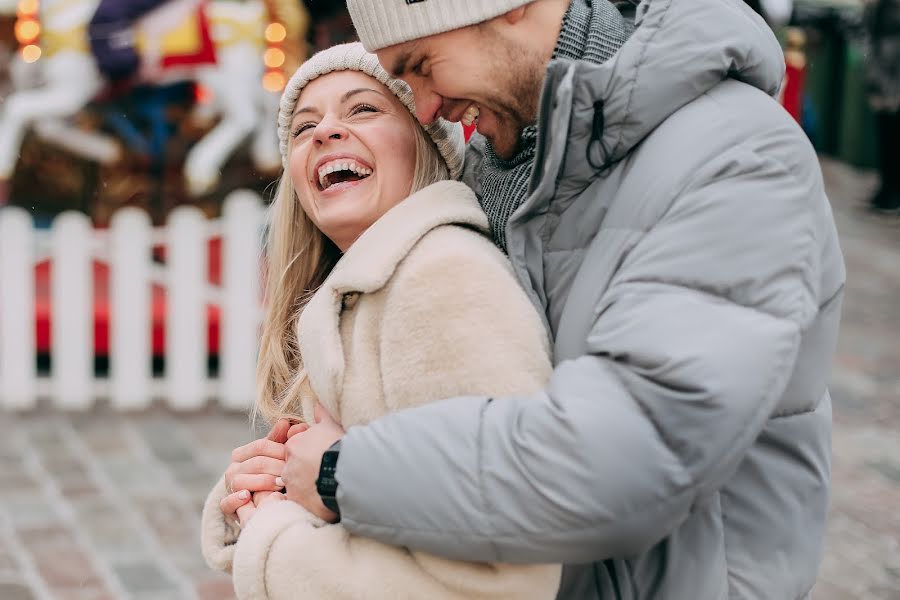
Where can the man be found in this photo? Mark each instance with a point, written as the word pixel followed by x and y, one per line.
pixel 669 221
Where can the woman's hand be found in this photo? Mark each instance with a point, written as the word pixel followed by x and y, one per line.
pixel 260 499
pixel 255 471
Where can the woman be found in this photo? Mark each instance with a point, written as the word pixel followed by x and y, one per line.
pixel 402 299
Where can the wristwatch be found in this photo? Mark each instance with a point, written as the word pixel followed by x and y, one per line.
pixel 327 484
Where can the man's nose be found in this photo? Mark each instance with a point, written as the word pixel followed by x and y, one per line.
pixel 428 104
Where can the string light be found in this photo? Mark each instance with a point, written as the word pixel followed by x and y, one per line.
pixel 28 29
pixel 274 81
pixel 275 33
pixel 28 7
pixel 31 53
pixel 274 58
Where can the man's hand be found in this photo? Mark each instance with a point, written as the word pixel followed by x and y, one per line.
pixel 303 457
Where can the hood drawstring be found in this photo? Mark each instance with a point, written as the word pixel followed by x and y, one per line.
pixel 597 129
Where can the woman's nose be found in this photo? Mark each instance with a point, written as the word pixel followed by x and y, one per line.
pixel 329 129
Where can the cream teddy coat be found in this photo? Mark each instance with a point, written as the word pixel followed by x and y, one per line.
pixel 422 307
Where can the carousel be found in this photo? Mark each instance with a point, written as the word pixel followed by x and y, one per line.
pixel 150 103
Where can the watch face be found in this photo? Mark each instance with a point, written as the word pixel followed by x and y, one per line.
pixel 329 459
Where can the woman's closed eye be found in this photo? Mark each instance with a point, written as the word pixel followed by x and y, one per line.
pixel 302 128
pixel 363 108
pixel 355 110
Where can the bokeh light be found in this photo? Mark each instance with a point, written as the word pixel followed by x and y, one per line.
pixel 275 32
pixel 31 53
pixel 274 81
pixel 274 58
pixel 28 7
pixel 27 31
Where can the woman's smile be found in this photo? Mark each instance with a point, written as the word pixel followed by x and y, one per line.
pixel 337 173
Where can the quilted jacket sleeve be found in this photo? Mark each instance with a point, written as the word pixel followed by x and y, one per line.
pixel 684 363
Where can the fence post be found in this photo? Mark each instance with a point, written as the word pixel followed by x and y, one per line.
pixel 73 315
pixel 18 367
pixel 186 328
pixel 242 229
pixel 130 366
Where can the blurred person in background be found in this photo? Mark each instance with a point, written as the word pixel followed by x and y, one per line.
pixel 385 292
pixel 669 221
pixel 883 21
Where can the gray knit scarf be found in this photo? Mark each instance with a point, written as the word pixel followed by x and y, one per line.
pixel 592 30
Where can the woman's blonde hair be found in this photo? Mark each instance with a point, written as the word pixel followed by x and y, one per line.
pixel 299 257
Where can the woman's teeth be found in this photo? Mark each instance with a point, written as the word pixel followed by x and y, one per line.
pixel 470 116
pixel 344 169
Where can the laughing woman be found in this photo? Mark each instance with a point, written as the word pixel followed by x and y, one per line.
pixel 384 293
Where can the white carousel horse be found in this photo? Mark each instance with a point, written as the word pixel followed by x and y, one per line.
pixel 69 79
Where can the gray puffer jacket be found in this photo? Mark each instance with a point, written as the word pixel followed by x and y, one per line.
pixel 679 242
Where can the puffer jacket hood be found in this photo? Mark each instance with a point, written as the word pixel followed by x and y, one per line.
pixel 652 76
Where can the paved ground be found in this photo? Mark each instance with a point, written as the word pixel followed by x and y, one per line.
pixel 106 506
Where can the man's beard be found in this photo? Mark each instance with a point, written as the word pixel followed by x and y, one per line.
pixel 519 108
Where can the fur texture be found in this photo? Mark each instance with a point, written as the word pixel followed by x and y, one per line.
pixel 422 307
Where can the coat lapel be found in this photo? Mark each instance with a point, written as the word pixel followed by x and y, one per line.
pixel 366 267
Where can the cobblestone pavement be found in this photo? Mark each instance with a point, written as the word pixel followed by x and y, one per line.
pixel 106 506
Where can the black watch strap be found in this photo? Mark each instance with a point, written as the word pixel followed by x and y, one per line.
pixel 327 483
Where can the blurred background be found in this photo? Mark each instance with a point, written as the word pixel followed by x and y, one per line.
pixel 137 154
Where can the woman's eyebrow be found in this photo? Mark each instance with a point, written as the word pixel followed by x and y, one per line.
pixel 344 98
pixel 352 93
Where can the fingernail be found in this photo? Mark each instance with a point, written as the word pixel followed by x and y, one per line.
pixel 243 494
pixel 279 482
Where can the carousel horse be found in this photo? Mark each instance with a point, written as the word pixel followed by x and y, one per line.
pixel 52 90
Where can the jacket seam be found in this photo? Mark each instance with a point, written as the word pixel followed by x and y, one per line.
pixel 796 413
pixel 700 290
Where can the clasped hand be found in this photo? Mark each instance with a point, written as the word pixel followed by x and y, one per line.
pixel 283 465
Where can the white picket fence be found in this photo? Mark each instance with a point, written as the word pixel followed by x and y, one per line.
pixel 71 245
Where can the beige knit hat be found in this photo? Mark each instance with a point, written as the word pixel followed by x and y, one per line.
pixel 383 23
pixel 448 137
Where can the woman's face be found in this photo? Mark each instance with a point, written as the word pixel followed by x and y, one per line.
pixel 352 153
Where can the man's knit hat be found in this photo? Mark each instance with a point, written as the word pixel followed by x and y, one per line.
pixel 448 137
pixel 383 23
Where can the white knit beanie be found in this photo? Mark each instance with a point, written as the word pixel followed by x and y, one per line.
pixel 448 137
pixel 383 23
